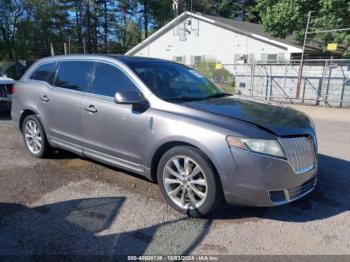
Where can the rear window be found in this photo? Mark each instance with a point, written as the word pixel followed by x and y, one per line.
pixel 44 72
pixel 74 75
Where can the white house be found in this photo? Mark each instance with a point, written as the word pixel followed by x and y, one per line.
pixel 192 37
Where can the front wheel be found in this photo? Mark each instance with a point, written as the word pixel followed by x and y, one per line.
pixel 188 181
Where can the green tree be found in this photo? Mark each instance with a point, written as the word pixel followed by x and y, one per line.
pixel 334 14
pixel 42 23
pixel 11 12
pixel 127 26
pixel 285 17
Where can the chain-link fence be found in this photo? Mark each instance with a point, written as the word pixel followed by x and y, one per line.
pixel 324 82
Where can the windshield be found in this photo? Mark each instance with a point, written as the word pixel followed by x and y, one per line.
pixel 171 81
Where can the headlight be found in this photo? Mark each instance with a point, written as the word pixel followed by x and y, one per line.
pixel 263 146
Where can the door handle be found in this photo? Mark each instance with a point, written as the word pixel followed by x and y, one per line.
pixel 44 98
pixel 91 109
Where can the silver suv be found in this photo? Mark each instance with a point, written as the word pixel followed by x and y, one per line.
pixel 170 124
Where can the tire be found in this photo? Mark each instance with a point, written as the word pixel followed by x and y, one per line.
pixel 200 188
pixel 30 124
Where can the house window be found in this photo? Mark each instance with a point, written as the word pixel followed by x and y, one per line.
pixel 180 59
pixel 242 85
pixel 272 57
pixel 195 60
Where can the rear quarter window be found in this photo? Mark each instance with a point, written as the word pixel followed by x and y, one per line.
pixel 44 72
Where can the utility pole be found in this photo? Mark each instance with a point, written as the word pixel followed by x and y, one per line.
pixel 15 61
pixel 65 47
pixel 301 67
pixel 52 50
pixel 84 45
pixel 68 44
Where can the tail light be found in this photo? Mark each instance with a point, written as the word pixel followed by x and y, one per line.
pixel 12 89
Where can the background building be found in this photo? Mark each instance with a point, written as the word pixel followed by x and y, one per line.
pixel 192 37
pixel 255 63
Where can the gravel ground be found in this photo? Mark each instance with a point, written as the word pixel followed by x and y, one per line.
pixel 67 205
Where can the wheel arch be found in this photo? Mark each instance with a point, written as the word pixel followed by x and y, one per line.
pixel 25 113
pixel 161 149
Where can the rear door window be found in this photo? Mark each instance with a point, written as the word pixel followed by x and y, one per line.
pixel 45 72
pixel 74 75
pixel 108 80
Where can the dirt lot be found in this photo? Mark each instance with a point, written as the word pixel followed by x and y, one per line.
pixel 68 205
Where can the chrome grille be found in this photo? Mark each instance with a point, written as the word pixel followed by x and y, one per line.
pixel 300 153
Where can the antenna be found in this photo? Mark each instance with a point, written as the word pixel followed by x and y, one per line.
pixel 175 6
pixel 186 27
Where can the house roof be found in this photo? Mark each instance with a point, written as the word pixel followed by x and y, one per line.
pixel 250 29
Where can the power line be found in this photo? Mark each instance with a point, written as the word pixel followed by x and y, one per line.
pixel 329 31
pixel 18 53
pixel 36 48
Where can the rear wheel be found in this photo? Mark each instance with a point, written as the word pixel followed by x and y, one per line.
pixel 35 138
pixel 188 181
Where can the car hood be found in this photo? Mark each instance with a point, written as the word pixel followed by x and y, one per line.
pixel 280 120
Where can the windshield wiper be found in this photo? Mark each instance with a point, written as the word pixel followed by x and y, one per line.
pixel 187 98
pixel 218 95
pixel 190 98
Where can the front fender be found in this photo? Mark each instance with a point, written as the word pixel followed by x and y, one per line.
pixel 213 146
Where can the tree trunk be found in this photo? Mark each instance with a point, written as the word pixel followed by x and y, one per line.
pixel 88 25
pixel 95 26
pixel 124 30
pixel 78 20
pixel 145 17
pixel 105 25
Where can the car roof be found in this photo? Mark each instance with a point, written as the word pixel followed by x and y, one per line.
pixel 122 58
pixel 126 58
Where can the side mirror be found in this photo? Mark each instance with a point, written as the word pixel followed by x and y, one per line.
pixel 128 97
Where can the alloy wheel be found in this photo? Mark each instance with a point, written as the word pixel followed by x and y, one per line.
pixel 185 182
pixel 33 137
